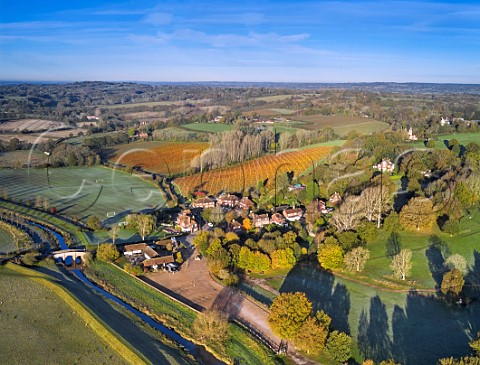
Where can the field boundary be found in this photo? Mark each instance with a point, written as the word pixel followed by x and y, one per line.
pixel 97 325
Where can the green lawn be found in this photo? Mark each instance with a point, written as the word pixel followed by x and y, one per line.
pixel 82 191
pixel 209 127
pixel 39 328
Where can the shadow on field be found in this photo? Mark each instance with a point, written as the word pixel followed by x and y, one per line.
pixel 428 329
pixel 322 291
pixel 228 302
pixel 472 279
pixel 373 339
pixel 436 254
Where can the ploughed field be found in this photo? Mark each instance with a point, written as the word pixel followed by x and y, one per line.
pixel 240 177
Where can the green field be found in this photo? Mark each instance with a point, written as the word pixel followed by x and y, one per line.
pixel 208 127
pixel 38 327
pixel 366 127
pixel 462 138
pixel 273 98
pixel 7 242
pixel 82 191
pixel 284 111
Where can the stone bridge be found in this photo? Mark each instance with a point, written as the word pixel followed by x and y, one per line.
pixel 72 252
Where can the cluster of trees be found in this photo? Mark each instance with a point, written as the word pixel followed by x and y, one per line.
pixel 231 147
pixel 227 252
pixel 291 318
pixel 143 223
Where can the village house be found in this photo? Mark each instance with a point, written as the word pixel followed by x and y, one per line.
pixel 335 198
pixel 203 203
pixel 227 200
pixel 157 262
pixel 260 220
pixel 293 214
pixel 235 226
pixel 385 166
pixel 186 222
pixel 279 220
pixel 140 249
pixel 246 203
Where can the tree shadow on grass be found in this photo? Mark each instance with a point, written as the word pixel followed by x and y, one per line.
pixel 436 254
pixel 472 279
pixel 428 329
pixel 392 246
pixel 321 289
pixel 373 339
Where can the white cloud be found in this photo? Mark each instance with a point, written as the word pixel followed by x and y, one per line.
pixel 158 18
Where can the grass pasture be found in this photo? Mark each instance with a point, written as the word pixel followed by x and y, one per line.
pixel 167 158
pixel 82 191
pixel 274 98
pixel 22 158
pixel 462 138
pixel 7 241
pixel 341 124
pixel 38 327
pixel 208 127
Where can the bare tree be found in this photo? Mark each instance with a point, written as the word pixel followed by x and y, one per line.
pixel 114 230
pixel 356 259
pixel 143 223
pixel 348 215
pixel 375 201
pixel 402 264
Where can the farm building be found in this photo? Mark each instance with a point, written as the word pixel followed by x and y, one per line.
pixel 293 214
pixel 227 200
pixel 246 203
pixel 203 203
pixel 157 262
pixel 140 249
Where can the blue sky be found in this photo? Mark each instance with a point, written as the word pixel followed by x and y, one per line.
pixel 284 41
